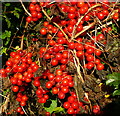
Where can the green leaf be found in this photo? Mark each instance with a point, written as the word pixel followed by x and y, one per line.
pixel 4 49
pixel 114 28
pixel 48 11
pixel 6 34
pixel 8 21
pixel 99 33
pixel 53 105
pixel 109 81
pixel 17 9
pixel 7 42
pixel 25 38
pixel 116 92
pixel 113 79
pixel 114 75
pixel 59 109
pixel 6 91
pixel 7 4
pixel 16 14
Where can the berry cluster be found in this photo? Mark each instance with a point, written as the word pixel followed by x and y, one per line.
pixel 69 42
pixel 20 69
pixel 35 11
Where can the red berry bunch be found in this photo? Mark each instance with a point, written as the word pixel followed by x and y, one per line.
pixel 35 11
pixel 70 42
pixel 20 69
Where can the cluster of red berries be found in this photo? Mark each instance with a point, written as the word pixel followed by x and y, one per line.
pixel 59 52
pixel 35 11
pixel 72 105
pixel 41 93
pixel 20 69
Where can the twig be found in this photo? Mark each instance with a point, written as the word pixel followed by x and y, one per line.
pixel 80 76
pixel 22 38
pixel 4 96
pixel 81 19
pixel 85 29
pixel 24 8
pixel 24 110
pixel 54 23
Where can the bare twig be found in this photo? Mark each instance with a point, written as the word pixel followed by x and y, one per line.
pixel 24 8
pixel 22 38
pixel 54 23
pixel 74 36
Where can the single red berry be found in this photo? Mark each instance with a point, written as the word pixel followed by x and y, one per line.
pixel 100 66
pixel 43 31
pixel 15 88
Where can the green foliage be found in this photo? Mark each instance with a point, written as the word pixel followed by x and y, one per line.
pixel 7 21
pixel 16 12
pixel 114 27
pixel 6 34
pixel 12 14
pixel 114 80
pixel 53 107
pixel 6 91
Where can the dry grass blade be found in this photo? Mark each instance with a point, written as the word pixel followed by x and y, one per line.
pixel 5 105
pixel 85 29
pixel 24 8
pixel 74 36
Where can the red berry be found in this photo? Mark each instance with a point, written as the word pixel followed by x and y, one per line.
pixel 48 85
pixel 75 105
pixel 116 16
pixel 66 105
pixel 43 31
pixel 55 90
pixel 70 111
pixel 19 109
pixel 42 100
pixel 22 103
pixel 71 99
pixel 100 66
pixel 36 83
pixel 54 62
pixel 100 15
pixel 29 19
pixel 15 88
pixel 61 95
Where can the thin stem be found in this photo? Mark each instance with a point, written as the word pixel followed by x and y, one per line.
pixel 24 8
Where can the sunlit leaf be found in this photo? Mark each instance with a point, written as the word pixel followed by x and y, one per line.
pixel 116 92
pixel 53 105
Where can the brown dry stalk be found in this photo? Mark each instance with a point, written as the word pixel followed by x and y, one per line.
pixel 22 38
pixel 85 29
pixel 78 65
pixel 24 8
pixel 74 36
pixel 5 105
